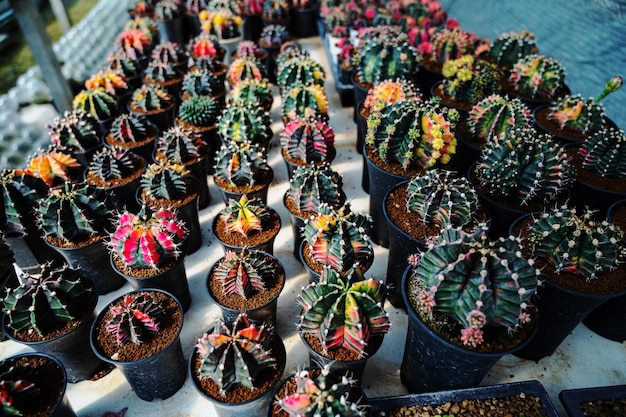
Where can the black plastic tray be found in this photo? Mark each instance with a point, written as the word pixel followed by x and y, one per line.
pixel 572 398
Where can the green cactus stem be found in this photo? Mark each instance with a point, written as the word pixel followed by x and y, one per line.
pixel 180 145
pixel 305 101
pixel 243 273
pixel 75 131
pixel 537 76
pixel 252 93
pixel 150 97
pixel 128 128
pixel 245 124
pixel 98 102
pixel 161 72
pixel 113 164
pixel 301 70
pixel 452 43
pixel 20 193
pixel 508 48
pixel 605 153
pixel 200 110
pixel 136 319
pixel 314 185
pixel 165 180
pixel 273 36
pixel 496 115
pixel 200 82
pixel 120 61
pixel 467 80
pixel 241 165
pixel 308 140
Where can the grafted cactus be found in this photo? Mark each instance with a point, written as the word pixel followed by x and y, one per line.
pixel 165 180
pixel 525 166
pixel 247 48
pixel 308 140
pixel 290 50
pixel 537 76
pixel 252 93
pixel 344 310
pixel 241 164
pixel 496 115
pixel 305 101
pixel 314 185
pixel 13 386
pixel 133 42
pixel 510 47
pixel 161 72
pixel 276 9
pixel 20 193
pixel 180 145
pixel 98 102
pixel 222 21
pixel 441 197
pixel 129 128
pixel 468 80
pixel 201 111
pixel 75 131
pixel 110 164
pixel 452 43
pixel 337 237
pixel 235 354
pixel 200 82
pixel 574 243
pixel 325 394
pixel 44 301
pixel 388 92
pixel 301 70
pixel 245 124
pixel 244 216
pixel 247 68
pixel 120 61
pixel 605 153
pixel 52 166
pixel 477 282
pixel 73 213
pixel 113 81
pixel 150 97
pixel 243 273
pixel 146 240
pixel 136 319
pixel 170 52
pixel 205 45
pixel 273 35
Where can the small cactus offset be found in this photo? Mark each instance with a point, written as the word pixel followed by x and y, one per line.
pixel 235 354
pixel 146 240
pixel 496 115
pixel 136 319
pixel 200 82
pixel 314 185
pixel 98 102
pixel 180 145
pixel 160 71
pixel 129 128
pixel 245 124
pixel 42 302
pixel 469 80
pixel 308 140
pixel 20 192
pixel 149 97
pixel 452 43
pixel 14 385
pixel 110 164
pixel 442 198
pixel 243 273
pixel 73 213
pixel 246 68
pixel 113 81
pixel 244 216
pixel 324 395
pixel 134 43
pixel 338 237
pixel 201 111
pixel 508 48
pixel 305 101
pixel 525 166
pixel 605 153
pixel 52 166
pixel 301 70
pixel 344 310
pixel 75 131
pixel 241 164
pixel 165 180
pixel 477 282
pixel 252 93
pixel 575 243
pixel 537 76
pixel 274 35
pixel 388 92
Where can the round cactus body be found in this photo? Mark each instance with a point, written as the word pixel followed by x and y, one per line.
pixel 201 111
pixel 180 145
pixel 308 140
pixel 248 68
pixel 537 76
pixel 20 192
pixel 496 115
pixel 129 128
pixel 300 70
pixel 241 164
pixel 75 131
pixel 314 185
pixel 98 102
pixel 245 124
pixel 605 153
pixel 508 48
pixel 150 97
pixel 305 101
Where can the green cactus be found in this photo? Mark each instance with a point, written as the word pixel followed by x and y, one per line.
pixel 574 243
pixel 246 68
pixel 252 93
pixel 440 197
pixel 75 131
pixel 604 153
pixel 452 43
pixel 290 50
pixel 525 166
pixel 98 102
pixel 245 124
pixel 42 302
pixel 201 111
pixel 305 101
pixel 468 80
pixel 477 282
pixel 14 385
pixel 148 27
pixel 508 48
pixel 344 310
pixel 110 164
pixel 300 70
pixel 201 82
pixel 20 193
pixel 496 115
pixel 135 319
pixel 73 213
pixel 314 185
pixel 180 145
pixel 165 180
pixel 149 97
pixel 235 354
pixel 308 140
pixel 130 128
pixel 120 61
pixel 7 259
pixel 241 164
pixel 537 76
pixel 244 216
pixel 243 273
pixel 161 71
pixel 338 237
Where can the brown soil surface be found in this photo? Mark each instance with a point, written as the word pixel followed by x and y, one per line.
pixel 270 229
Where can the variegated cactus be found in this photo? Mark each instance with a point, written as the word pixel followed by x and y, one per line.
pixel 200 110
pixel 247 48
pixel 53 167
pixel 129 128
pixel 300 70
pixel 14 386
pixel 241 164
pixel 170 52
pixel 252 93
pixel 388 92
pixel 150 97
pixel 147 26
pixel 75 131
pixel 98 102
pixel 290 50
pixel 113 81
pixel 477 282
pixel 165 180
pixel 246 68
pixel 159 71
pixel 273 35
pixel 20 193
pixel 452 43
pixel 205 45
pixel 120 61
pixel 243 273
pixel 496 115
pixel 308 140
pixel 201 82
pixel 180 145
pixel 135 319
pixel 305 101
pixel 245 124
pixel 313 185
pixel 134 43
pixel 537 76
pixel 111 164
pixel 510 47
pixel 244 216
pixel 605 153
pixel 468 80
pixel 235 354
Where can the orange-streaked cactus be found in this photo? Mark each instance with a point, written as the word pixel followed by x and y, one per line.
pixel 244 216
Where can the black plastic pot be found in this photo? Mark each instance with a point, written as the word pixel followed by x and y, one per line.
pixel 297 223
pixel 387 404
pixel 252 27
pixel 31 249
pixel 573 398
pixel 361 128
pixel 304 22
pixel 144 150
pixel 431 363
pixel 158 376
pixel 466 153
pixel 192 26
pixel 426 78
pixel 267 246
pixel 172 30
pixel 122 197
pixel 260 194
pixel 360 93
pixel 200 171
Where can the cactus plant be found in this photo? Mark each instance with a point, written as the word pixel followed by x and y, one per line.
pixel 604 153
pixel 130 129
pixel 206 45
pixel 170 52
pixel 240 165
pixel 467 80
pixel 275 10
pixel 243 273
pixel 113 81
pixel 221 22
pixel 165 180
pixel 200 82
pixel 290 50
pixel 161 73
pixel 300 70
pixel 120 61
pixel 252 93
pixel 307 140
pixel 496 115
pixel 148 241
pixel 180 145
pixel 389 91
pixel 477 282
pixel 337 237
pixel 135 319
pixel 111 165
pixel 247 49
pixel 510 47
pixel 344 310
pixel 324 394
pixel 525 166
pixel 245 124
pixel 452 43
pixel 45 301
pixel 244 216
pixel 134 43
pixel 199 111
pixel 272 36
pixel 537 77
pixel 20 193
pixel 313 185
pixel 75 131
pixel 53 167
pixel 305 101
pixel 150 97
pixel 98 102
pixel 244 68
pixel 14 385
pixel 148 27
pixel 235 354
pixel 167 9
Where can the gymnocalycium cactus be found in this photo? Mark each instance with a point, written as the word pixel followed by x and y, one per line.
pixel 206 45
pixel 75 131
pixel 133 42
pixel 180 145
pixel 305 101
pixel 468 80
pixel 301 70
pixel 136 319
pixel 165 180
pixel 245 68
pixel 452 43
pixel 508 48
pixel 159 71
pixel 200 82
pixel 120 61
pixel 111 164
pixel 537 76
pixel 308 140
pixel 389 91
pixel 574 243
pixel 578 114
pixel 200 111
pixel 170 52
pixel 475 281
pixel 20 193
pixel 496 115
pixel 240 164
pixel 113 81
pixel 42 302
pixel 243 273
pixel 167 9
pixel 273 35
pixel 313 185
pixel 338 237
pixel 98 102
pixel 244 216
pixel 355 305
pixel 130 128
pixel 605 153
pixel 146 240
pixel 247 48
pixel 235 354
pixel 13 385
pixel 52 166
pixel 325 394
pixel 525 166
pixel 150 97
pixel 245 124
pixel 252 93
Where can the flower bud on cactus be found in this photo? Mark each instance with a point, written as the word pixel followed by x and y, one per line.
pixel 525 166
pixel 388 92
pixel 111 164
pixel 245 124
pixel 129 128
pixel 75 131
pixel 452 43
pixel 200 82
pixel 52 166
pixel 202 111
pixel 475 281
pixel 149 97
pixel 252 93
pixel 20 193
pixel 326 394
pixel 235 354
pixel 113 81
pixel 73 213
pixel 165 180
pixel 537 76
pixel 14 384
pixel 136 319
pixel 42 302
pixel 468 80
pixel 148 240
pixel 241 164
pixel 337 237
pixel 98 102
pixel 314 185
pixel 244 216
pixel 442 198
pixel 120 61
pixel 273 35
pixel 240 69
pixel 134 43
pixel 344 310
pixel 605 153
pixel 243 273
pixel 308 140
pixel 496 115
pixel 305 101
pixel 180 145
pixel 508 48
pixel 303 70
pixel 574 243
pixel 160 71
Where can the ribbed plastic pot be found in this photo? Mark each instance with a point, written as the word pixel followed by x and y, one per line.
pixel 144 150
pixel 267 246
pixel 572 399
pixel 158 376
